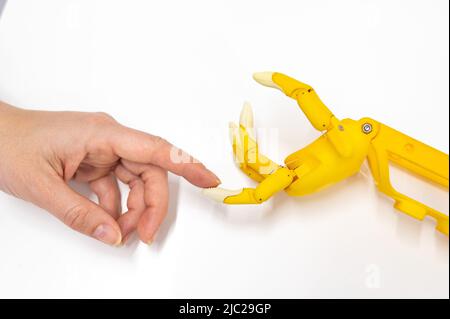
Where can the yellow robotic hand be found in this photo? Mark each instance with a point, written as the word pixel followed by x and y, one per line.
pixel 334 156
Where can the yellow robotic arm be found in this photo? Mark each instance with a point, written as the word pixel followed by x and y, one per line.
pixel 334 156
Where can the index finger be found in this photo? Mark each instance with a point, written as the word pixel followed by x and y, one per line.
pixel 140 147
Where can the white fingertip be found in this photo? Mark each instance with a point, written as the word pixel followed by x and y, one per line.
pixel 219 194
pixel 233 133
pixel 265 78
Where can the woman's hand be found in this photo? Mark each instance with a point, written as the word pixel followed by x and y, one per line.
pixel 41 151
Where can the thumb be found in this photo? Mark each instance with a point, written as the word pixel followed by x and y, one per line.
pixel 78 212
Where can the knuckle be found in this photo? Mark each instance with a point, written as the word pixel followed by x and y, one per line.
pixel 158 140
pixel 100 118
pixel 154 145
pixel 77 217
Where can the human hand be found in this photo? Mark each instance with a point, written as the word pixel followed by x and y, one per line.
pixel 41 151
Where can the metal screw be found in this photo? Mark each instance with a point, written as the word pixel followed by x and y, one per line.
pixel 367 128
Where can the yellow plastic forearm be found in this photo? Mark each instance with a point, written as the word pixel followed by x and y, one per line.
pixel 417 157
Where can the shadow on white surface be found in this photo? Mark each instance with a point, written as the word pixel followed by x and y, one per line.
pixel 2 6
pixel 442 247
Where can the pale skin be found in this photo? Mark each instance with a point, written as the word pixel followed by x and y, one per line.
pixel 41 151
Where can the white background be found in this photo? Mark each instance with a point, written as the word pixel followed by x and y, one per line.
pixel 181 69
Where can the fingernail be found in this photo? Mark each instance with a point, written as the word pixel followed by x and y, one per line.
pixel 218 181
pixel 150 242
pixel 107 234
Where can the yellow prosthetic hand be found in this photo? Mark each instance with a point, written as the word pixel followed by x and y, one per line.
pixel 334 156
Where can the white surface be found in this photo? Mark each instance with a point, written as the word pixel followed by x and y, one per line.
pixel 183 68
